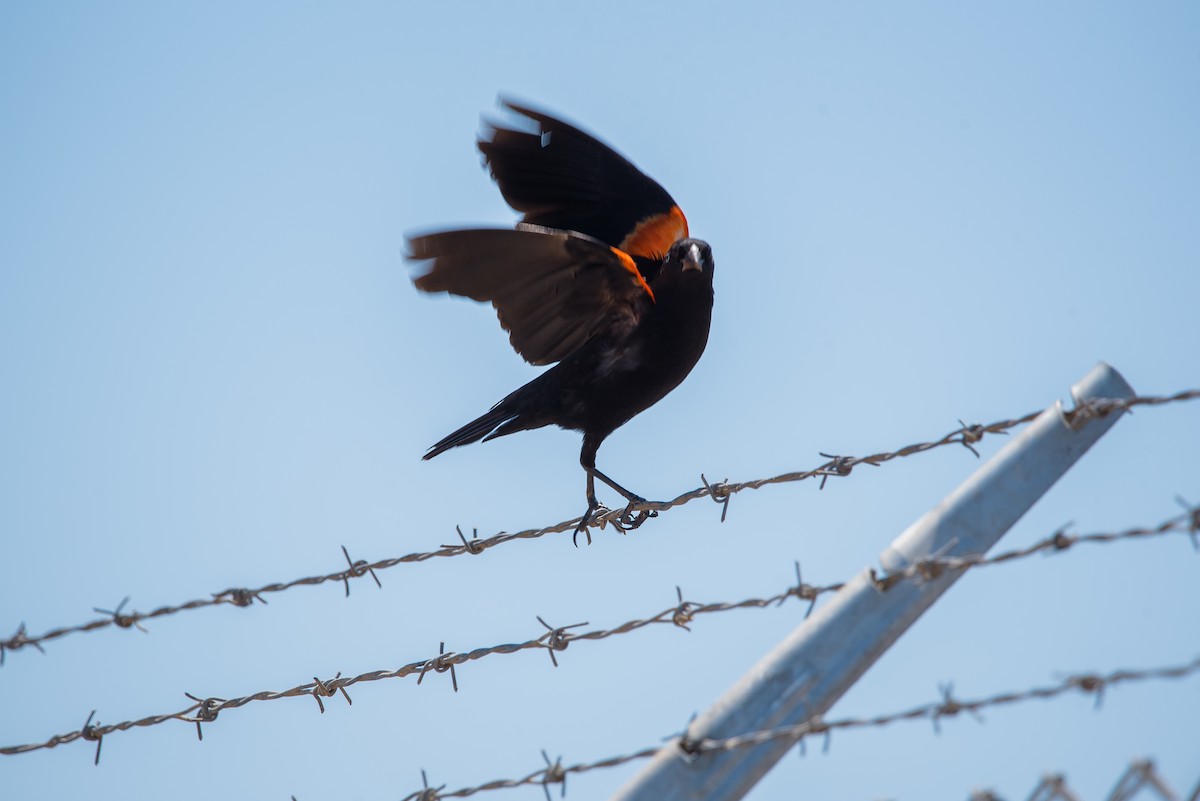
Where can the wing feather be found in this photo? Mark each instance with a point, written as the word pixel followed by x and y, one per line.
pixel 551 289
pixel 561 177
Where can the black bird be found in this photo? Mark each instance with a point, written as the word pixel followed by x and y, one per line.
pixel 599 275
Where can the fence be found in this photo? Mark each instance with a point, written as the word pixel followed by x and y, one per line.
pixel 681 613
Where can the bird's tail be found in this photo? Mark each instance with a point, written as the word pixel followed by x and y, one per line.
pixel 507 417
pixel 473 431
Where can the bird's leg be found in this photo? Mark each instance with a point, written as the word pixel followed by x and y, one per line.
pixel 628 519
pixel 587 458
pixel 629 496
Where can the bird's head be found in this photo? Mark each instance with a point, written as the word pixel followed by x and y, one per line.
pixel 689 258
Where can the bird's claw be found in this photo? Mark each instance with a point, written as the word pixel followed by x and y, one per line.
pixel 629 519
pixel 593 512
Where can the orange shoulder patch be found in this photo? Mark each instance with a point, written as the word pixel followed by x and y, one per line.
pixel 654 236
pixel 629 264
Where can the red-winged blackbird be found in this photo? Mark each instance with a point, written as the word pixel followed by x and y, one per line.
pixel 599 275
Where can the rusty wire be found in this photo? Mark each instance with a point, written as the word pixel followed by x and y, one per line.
pixel 721 492
pixel 1141 774
pixel 557 639
pixel 928 569
pixel 948 707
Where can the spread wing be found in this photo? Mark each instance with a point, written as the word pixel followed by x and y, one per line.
pixel 561 177
pixel 552 289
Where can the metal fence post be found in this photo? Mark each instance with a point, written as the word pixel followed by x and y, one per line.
pixel 805 674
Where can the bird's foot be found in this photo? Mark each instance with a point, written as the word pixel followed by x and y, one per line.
pixel 631 518
pixel 594 511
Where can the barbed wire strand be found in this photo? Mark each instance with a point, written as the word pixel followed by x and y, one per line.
pixel 948 707
pixel 1141 773
pixel 1187 523
pixel 553 639
pixel 721 492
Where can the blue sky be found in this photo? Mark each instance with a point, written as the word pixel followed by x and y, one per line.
pixel 216 371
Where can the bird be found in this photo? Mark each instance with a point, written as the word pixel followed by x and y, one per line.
pixel 599 277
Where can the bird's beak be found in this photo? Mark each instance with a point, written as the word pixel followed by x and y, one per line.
pixel 692 260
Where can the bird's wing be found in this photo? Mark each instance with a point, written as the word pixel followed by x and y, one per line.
pixel 552 289
pixel 561 177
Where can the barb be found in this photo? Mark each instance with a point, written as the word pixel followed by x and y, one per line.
pixel 945 708
pixel 966 435
pixel 678 615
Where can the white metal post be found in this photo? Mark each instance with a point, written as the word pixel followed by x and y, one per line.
pixel 806 673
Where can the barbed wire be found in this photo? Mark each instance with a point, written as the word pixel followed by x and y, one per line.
pixel 721 492
pixel 1140 774
pixel 948 707
pixel 555 639
pixel 929 569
